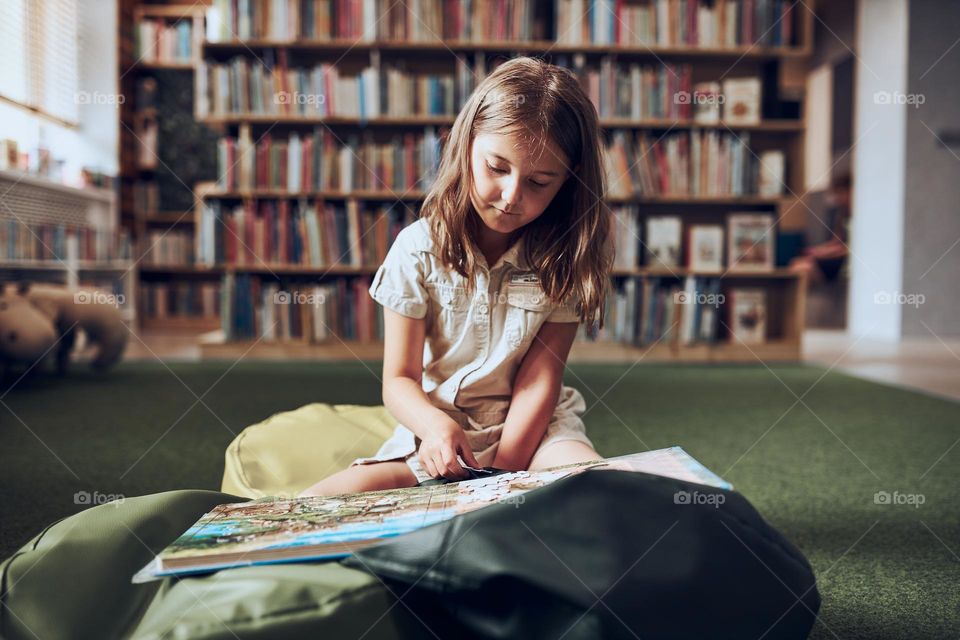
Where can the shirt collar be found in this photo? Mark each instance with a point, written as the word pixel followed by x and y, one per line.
pixel 514 255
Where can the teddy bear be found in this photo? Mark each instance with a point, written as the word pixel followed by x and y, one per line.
pixel 37 319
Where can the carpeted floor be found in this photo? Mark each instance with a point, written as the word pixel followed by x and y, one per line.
pixel 811 465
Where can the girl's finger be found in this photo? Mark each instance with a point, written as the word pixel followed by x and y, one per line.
pixel 453 468
pixel 467 454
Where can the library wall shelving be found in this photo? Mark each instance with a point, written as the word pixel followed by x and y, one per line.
pixel 330 118
pixel 159 48
pixel 58 234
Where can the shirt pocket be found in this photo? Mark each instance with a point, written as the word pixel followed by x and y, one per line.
pixel 527 308
pixel 450 309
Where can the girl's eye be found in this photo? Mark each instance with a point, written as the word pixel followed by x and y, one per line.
pixel 499 171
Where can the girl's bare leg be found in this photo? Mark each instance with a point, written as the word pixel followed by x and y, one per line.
pixel 364 477
pixel 563 452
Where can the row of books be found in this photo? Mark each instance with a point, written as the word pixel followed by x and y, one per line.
pixel 55 242
pixel 160 300
pixel 692 23
pixel 307 233
pixel 420 20
pixel 321 161
pixel 751 242
pixel 694 310
pixel 259 308
pixel 690 163
pixel 168 247
pixel 647 311
pixel 244 87
pixel 636 91
pixel 248 86
pixel 164 41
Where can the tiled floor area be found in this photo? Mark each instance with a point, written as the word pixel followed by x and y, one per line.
pixel 931 365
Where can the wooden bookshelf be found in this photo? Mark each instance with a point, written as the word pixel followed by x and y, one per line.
pixel 785 288
pixel 770 126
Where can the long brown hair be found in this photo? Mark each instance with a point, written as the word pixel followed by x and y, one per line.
pixel 569 245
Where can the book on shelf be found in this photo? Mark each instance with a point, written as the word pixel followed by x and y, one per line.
pixel 681 23
pixel 707 99
pixel 369 20
pixel 306 233
pixel 663 242
pixel 255 307
pixel 162 300
pixel 318 161
pixel 146 137
pixel 741 100
pixel 750 241
pixel 748 315
pixel 772 167
pixel 9 155
pixel 168 247
pixel 161 40
pixel 700 303
pixel 624 221
pixel 688 163
pixel 705 247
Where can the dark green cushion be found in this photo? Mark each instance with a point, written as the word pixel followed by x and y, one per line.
pixel 73 580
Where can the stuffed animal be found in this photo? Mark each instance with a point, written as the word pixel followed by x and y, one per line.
pixel 38 319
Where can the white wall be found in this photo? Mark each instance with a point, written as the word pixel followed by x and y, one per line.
pixel 95 142
pixel 879 157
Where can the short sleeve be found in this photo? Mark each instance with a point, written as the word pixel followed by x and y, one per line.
pixel 398 283
pixel 566 311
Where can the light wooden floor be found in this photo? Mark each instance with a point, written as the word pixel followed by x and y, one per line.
pixel 931 365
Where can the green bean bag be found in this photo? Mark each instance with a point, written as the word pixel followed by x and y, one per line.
pixel 73 581
pixel 290 451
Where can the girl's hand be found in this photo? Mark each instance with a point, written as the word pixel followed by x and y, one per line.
pixel 438 452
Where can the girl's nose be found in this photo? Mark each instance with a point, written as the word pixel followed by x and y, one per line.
pixel 511 193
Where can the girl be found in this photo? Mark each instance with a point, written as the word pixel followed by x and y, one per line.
pixel 483 295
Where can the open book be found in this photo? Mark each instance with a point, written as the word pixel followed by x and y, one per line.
pixel 271 530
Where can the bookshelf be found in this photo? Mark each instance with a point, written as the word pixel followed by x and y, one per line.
pixel 54 233
pixel 777 60
pixel 159 50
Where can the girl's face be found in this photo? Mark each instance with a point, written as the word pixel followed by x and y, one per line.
pixel 512 185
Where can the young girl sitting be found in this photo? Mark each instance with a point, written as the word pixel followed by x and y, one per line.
pixel 483 295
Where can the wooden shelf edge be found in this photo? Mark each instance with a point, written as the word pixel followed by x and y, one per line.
pixel 213 346
pixel 530 46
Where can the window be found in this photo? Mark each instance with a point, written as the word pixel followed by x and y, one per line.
pixel 39 56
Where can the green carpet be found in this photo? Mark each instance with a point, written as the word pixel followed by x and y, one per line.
pixel 811 467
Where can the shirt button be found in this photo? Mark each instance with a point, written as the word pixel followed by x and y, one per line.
pixel 483 308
